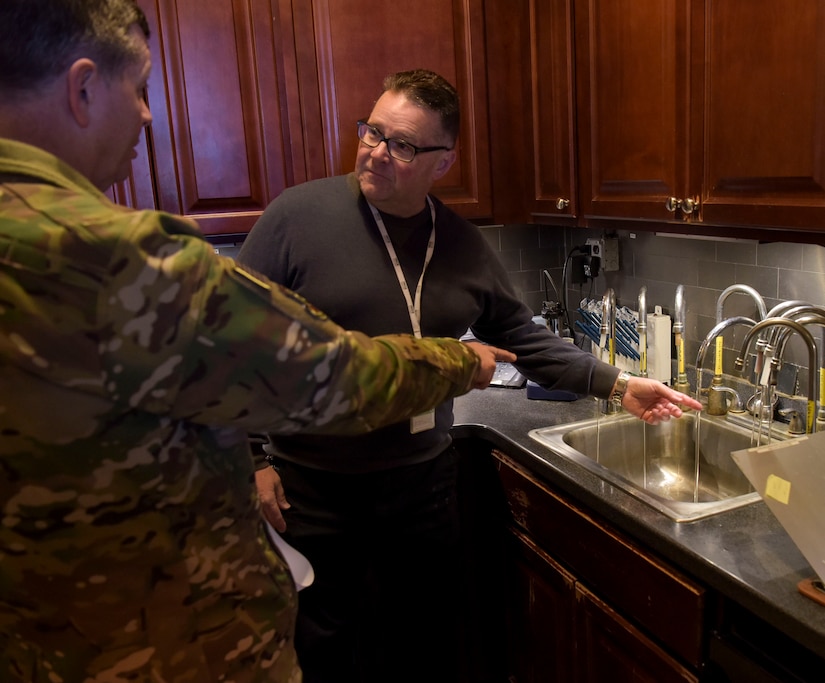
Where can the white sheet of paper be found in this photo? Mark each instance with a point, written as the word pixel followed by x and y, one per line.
pixel 302 572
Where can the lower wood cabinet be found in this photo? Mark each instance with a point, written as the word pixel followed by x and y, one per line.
pixel 556 594
pixel 610 648
pixel 560 629
pixel 541 607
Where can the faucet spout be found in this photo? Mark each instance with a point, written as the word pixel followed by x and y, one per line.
pixel 743 289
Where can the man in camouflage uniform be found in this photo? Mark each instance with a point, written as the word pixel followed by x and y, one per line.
pixel 133 361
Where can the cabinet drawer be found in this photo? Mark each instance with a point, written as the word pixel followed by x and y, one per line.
pixel 663 602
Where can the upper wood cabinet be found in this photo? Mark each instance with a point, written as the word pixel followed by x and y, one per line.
pixel 219 148
pixel 530 72
pixel 251 96
pixel 345 49
pixel 691 110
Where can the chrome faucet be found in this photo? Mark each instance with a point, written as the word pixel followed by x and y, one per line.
pixel 607 331
pixel 678 333
pixel 717 404
pixel 641 328
pixel 780 310
pixel 607 336
pixel 768 374
pixel 808 314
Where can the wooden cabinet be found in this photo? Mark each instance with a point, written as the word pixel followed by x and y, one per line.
pixel 344 51
pixel 555 593
pixel 541 641
pixel 558 630
pixel 611 648
pixel 251 96
pixel 571 109
pixel 587 604
pixel 530 71
pixel 219 148
pixel 699 111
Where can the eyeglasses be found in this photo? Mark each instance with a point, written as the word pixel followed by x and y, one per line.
pixel 398 149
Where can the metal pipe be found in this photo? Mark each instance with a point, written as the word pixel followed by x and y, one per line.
pixel 678 333
pixel 641 328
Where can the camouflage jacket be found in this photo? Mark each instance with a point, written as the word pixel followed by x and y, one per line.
pixel 133 360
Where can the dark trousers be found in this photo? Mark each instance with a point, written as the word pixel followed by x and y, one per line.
pixel 384 607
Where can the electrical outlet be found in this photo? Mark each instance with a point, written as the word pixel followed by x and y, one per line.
pixel 610 254
pixel 595 246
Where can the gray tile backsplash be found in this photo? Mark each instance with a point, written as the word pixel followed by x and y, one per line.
pixel 778 271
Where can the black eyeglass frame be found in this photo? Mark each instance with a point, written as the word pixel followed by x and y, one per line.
pixel 384 138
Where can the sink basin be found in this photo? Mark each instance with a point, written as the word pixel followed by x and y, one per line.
pixel 658 464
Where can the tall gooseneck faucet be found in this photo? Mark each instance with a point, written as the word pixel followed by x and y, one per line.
pixel 641 328
pixel 678 333
pixel 768 375
pixel 716 400
pixel 607 337
pixel 608 327
pixel 807 314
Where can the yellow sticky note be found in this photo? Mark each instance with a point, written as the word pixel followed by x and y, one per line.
pixel 778 488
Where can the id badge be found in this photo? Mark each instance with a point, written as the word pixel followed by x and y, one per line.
pixel 422 422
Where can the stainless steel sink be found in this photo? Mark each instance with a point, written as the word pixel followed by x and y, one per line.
pixel 658 464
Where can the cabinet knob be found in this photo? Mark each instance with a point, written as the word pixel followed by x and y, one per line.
pixel 673 203
pixel 689 205
pixel 562 203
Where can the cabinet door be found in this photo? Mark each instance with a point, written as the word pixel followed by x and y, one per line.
pixel 219 148
pixel 541 642
pixel 551 50
pixel 530 75
pixel 612 649
pixel 765 129
pixel 344 51
pixel 633 105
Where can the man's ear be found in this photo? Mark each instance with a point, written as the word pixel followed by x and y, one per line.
pixel 445 164
pixel 83 80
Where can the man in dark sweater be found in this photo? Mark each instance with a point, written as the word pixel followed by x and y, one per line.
pixel 376 514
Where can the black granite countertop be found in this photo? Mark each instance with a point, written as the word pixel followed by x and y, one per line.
pixel 744 554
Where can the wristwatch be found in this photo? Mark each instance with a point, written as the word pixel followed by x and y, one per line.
pixel 620 387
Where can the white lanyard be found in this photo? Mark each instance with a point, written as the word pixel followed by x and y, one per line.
pixel 413 308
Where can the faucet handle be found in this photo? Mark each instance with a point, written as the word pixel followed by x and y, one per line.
pixel 736 402
pixel 796 424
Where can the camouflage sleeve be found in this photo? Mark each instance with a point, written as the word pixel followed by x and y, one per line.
pixel 222 345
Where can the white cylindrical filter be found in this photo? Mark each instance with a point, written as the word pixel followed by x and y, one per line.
pixel 659 346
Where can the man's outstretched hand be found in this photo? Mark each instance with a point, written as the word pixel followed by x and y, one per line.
pixel 654 402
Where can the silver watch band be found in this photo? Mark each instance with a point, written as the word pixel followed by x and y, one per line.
pixel 620 387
